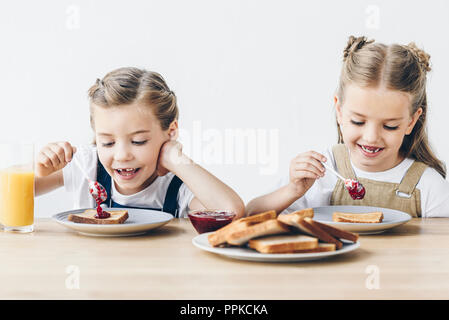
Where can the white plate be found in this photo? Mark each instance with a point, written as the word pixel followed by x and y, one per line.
pixel 138 222
pixel 243 253
pixel 392 218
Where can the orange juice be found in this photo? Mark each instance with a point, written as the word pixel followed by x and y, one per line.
pixel 16 197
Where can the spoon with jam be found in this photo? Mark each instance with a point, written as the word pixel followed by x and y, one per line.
pixel 355 188
pixel 97 191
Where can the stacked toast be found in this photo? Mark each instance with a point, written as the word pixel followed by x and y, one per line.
pixel 268 232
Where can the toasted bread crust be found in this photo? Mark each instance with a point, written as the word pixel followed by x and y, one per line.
pixel 371 217
pixel 308 212
pixel 260 217
pixel 272 226
pixel 219 237
pixel 283 244
pixel 289 218
pixel 88 216
pixel 319 233
pixel 335 232
pixel 322 247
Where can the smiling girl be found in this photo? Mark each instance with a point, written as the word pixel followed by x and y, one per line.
pixel 381 109
pixel 136 155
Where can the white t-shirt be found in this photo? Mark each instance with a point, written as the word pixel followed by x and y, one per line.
pixel 433 187
pixel 152 196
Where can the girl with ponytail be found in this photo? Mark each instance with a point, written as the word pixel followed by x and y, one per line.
pixel 381 112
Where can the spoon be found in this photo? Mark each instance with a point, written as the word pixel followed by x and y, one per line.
pixel 355 188
pixel 96 190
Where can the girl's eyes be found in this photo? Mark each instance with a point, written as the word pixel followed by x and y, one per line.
pixel 391 128
pixel 357 123
pixel 109 144
pixel 137 143
pixel 360 123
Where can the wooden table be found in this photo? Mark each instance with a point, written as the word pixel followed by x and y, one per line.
pixel 408 262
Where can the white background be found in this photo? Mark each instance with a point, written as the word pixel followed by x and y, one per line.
pixel 239 64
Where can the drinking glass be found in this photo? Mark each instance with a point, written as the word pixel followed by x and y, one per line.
pixel 17 187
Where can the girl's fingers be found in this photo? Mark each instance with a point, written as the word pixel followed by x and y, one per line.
pixel 44 160
pixel 59 151
pixel 299 175
pixel 68 150
pixel 307 166
pixel 311 155
pixel 52 157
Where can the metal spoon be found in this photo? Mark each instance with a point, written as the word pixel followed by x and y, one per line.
pixel 355 188
pixel 97 191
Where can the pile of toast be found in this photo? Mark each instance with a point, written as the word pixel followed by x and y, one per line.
pixel 88 216
pixel 268 232
pixel 370 217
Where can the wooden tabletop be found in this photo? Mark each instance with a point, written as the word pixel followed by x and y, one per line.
pixel 408 262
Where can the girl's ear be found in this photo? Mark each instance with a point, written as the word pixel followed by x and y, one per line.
pixel 173 132
pixel 412 123
pixel 337 105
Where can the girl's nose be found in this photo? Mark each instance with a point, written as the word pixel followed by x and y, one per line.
pixel 371 134
pixel 122 153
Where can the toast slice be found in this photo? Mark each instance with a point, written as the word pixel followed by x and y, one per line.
pixel 219 237
pixel 283 244
pixel 269 227
pixel 322 247
pixel 335 232
pixel 371 217
pixel 304 213
pixel 310 229
pixel 88 216
pixel 260 217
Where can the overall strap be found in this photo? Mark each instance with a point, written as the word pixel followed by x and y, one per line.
pixel 341 156
pixel 171 197
pixel 411 179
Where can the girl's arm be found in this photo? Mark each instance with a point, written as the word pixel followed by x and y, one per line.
pixel 278 200
pixel 210 192
pixel 48 169
pixel 304 170
pixel 49 183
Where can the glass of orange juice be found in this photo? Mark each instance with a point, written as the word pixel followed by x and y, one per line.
pixel 17 187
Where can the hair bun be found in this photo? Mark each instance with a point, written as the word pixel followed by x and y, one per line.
pixel 355 44
pixel 421 56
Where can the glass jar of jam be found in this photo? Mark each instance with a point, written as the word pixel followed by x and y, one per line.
pixel 210 220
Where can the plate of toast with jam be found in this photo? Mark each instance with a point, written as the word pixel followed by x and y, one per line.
pixel 269 237
pixel 117 222
pixel 361 219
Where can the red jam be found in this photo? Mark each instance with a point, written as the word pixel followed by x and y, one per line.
pixel 100 196
pixel 100 213
pixel 210 220
pixel 356 189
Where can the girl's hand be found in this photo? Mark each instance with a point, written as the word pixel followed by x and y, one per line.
pixel 53 157
pixel 169 156
pixel 304 170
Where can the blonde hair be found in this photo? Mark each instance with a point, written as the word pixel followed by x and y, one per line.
pixel 125 86
pixel 398 67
